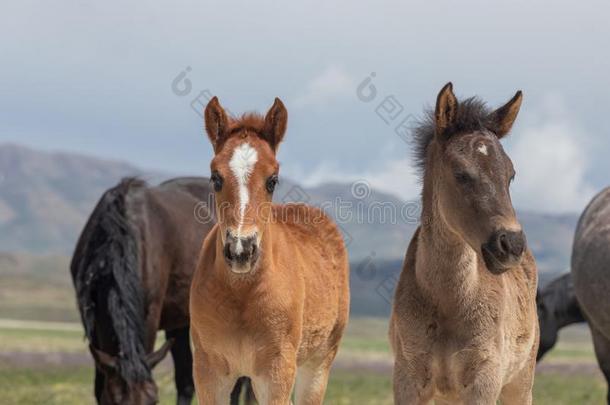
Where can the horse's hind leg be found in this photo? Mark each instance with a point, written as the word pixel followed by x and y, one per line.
pixel 602 351
pixel 183 364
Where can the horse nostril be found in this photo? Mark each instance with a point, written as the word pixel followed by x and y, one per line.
pixel 503 243
pixel 510 243
pixel 227 251
pixel 518 245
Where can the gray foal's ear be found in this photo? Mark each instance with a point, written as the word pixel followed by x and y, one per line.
pixel 503 118
pixel 446 109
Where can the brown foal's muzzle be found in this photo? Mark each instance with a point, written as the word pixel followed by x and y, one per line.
pixel 241 252
pixel 503 250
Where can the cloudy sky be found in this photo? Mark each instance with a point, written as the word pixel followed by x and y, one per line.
pixel 103 78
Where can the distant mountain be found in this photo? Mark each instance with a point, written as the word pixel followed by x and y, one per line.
pixel 45 199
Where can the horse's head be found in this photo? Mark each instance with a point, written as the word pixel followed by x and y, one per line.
pixel 244 175
pixel 471 175
pixel 118 387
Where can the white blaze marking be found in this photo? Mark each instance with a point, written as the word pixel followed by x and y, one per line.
pixel 482 149
pixel 242 164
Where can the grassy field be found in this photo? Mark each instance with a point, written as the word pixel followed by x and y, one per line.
pixel 48 362
pixel 43 363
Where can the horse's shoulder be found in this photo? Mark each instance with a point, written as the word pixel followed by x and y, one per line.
pixel 303 216
pixel 305 221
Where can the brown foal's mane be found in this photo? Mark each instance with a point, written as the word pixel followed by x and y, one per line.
pixel 253 122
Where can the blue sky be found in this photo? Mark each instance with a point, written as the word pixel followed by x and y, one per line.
pixel 96 77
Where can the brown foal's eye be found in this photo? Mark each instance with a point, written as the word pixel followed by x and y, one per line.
pixel 217 181
pixel 463 178
pixel 272 183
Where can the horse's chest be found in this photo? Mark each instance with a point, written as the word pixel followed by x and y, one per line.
pixel 239 352
pixel 447 364
pixel 455 353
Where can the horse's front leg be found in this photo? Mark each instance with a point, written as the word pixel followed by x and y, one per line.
pixel 274 382
pixel 213 381
pixel 183 364
pixel 411 380
pixel 484 387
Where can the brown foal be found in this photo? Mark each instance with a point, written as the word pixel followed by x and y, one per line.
pixel 269 299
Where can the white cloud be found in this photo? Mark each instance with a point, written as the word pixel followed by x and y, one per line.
pixel 551 161
pixel 551 166
pixel 331 84
pixel 550 158
pixel 396 177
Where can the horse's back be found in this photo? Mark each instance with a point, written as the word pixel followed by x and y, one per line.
pixel 591 262
pixel 180 208
pixel 198 187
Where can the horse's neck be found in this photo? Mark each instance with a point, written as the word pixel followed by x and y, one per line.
pixel 446 266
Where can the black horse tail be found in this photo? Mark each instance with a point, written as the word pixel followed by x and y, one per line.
pixel 105 273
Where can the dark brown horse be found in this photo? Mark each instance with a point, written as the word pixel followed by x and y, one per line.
pixel 557 308
pixel 132 270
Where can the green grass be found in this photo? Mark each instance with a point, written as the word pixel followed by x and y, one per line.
pixel 555 389
pixel 40 289
pixel 46 386
pixel 355 388
pixel 41 341
pixel 365 340
pixel 37 288
pixel 73 386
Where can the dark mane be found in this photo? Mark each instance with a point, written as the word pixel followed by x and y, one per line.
pixel 105 271
pixel 472 115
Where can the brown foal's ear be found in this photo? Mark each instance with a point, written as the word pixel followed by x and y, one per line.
pixel 155 358
pixel 216 123
pixel 503 118
pixel 446 108
pixel 276 121
pixel 103 360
